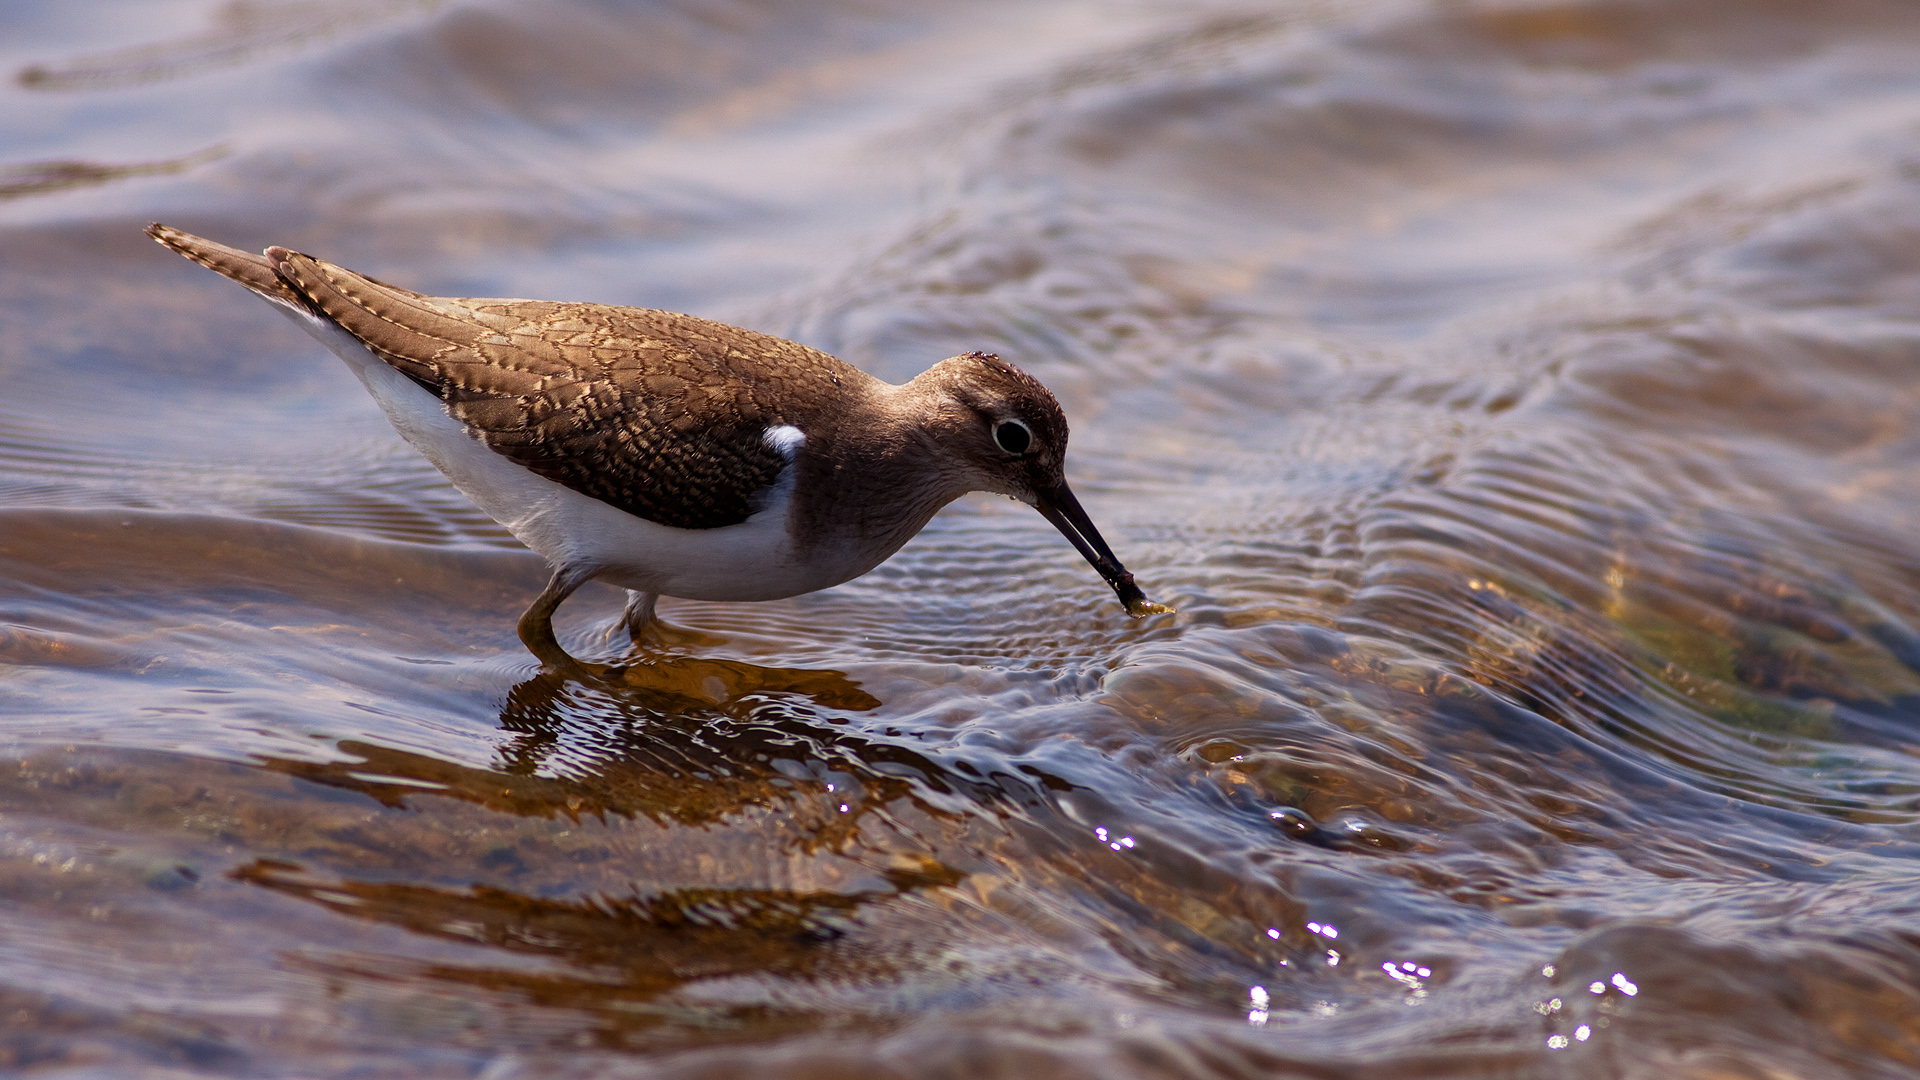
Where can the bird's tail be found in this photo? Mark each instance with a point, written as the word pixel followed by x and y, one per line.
pixel 256 272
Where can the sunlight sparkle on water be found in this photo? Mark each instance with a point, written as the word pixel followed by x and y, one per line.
pixel 1258 998
pixel 1409 974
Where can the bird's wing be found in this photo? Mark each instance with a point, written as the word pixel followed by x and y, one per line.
pixel 644 410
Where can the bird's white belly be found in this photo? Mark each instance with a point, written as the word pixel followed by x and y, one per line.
pixel 754 560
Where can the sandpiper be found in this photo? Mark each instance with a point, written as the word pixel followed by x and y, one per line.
pixel 669 454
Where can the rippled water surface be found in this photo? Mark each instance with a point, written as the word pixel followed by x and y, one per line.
pixel 1520 402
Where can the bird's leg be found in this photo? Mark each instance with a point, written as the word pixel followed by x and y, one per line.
pixel 536 625
pixel 639 613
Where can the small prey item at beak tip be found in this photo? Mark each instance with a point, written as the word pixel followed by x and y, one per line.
pixel 1143 607
pixel 1134 600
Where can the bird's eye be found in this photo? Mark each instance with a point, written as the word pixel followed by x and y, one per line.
pixel 1013 436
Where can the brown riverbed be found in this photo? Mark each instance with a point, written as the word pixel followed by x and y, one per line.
pixel 1520 402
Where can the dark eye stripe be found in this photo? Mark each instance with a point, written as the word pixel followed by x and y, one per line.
pixel 1013 436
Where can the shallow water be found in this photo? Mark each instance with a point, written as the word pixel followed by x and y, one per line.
pixel 1520 402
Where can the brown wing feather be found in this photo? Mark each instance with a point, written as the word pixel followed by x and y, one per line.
pixel 661 415
pixel 644 410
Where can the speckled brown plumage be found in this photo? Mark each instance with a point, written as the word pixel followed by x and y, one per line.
pixel 659 414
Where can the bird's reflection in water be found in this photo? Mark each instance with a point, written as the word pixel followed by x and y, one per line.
pixel 694 741
pixel 699 823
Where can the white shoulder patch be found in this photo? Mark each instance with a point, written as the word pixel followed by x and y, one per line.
pixel 785 440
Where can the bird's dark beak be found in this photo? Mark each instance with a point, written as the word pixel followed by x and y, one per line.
pixel 1060 507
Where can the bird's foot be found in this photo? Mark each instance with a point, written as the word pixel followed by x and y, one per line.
pixel 650 634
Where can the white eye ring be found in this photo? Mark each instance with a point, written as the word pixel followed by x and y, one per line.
pixel 1012 436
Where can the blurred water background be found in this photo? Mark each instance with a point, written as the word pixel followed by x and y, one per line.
pixel 1520 401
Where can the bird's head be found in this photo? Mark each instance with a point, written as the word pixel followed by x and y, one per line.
pixel 1004 433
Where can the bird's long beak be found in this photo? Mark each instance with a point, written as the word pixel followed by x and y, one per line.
pixel 1060 507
